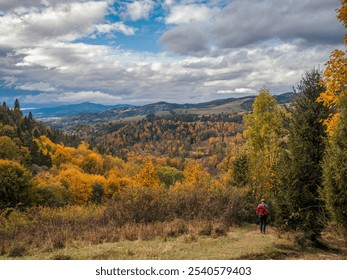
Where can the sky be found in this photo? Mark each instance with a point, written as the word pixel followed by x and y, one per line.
pixel 55 52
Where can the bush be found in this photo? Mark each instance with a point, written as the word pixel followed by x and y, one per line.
pixel 17 251
pixel 138 204
pixel 15 181
pixel 50 195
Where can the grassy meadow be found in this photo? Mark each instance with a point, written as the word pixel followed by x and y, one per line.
pixel 86 234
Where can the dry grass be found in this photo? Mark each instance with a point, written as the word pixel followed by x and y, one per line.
pixel 52 230
pixel 188 245
pixel 88 233
pixel 238 243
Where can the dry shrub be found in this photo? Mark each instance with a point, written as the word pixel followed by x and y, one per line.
pixel 129 232
pixel 18 250
pixel 59 242
pixel 190 237
pixel 61 257
pixel 210 203
pixel 209 228
pixel 148 232
pixel 2 250
pixel 201 227
pixel 134 213
pixel 136 204
pixel 219 229
pixel 175 228
pixel 50 228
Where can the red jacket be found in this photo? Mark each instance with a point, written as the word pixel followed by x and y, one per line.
pixel 262 209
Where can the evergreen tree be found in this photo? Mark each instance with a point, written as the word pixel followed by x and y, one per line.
pixel 240 175
pixel 16 104
pixel 300 171
pixel 335 172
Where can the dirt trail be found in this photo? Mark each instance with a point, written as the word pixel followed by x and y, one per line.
pixel 287 246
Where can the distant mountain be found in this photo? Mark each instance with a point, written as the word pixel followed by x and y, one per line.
pixel 133 113
pixel 70 110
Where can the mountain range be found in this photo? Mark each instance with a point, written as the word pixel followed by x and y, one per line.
pixel 126 113
pixel 70 110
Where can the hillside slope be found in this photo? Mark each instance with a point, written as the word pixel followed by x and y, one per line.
pixel 135 113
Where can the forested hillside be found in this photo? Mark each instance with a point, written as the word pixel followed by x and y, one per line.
pixel 188 136
pixel 152 176
pixel 18 133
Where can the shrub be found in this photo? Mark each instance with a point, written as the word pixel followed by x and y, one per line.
pixel 17 251
pixel 15 181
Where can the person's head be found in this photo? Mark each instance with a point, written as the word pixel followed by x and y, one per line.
pixel 262 200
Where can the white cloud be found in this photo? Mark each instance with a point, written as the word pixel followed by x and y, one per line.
pixel 63 22
pixel 41 86
pixel 247 22
pixel 117 27
pixel 22 5
pixel 237 91
pixel 9 81
pixel 139 9
pixel 183 14
pixel 169 2
pixel 89 71
pixel 73 97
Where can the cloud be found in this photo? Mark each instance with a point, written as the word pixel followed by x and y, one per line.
pixel 20 5
pixel 41 86
pixel 134 77
pixel 9 81
pixel 243 23
pixel 63 22
pixel 237 90
pixel 72 97
pixel 139 9
pixel 247 22
pixel 115 27
pixel 184 14
pixel 169 2
pixel 184 40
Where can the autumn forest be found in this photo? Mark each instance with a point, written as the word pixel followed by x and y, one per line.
pixel 164 175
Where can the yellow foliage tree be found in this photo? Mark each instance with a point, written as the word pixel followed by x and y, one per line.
pixel 147 176
pixel 195 175
pixel 335 77
pixel 75 181
pixel 263 133
pixel 80 184
pixel 117 180
pixel 59 153
pixel 93 163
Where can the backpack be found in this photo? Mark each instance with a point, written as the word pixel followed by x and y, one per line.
pixel 263 210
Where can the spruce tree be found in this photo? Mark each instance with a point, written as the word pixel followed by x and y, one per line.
pixel 16 104
pixel 300 173
pixel 335 171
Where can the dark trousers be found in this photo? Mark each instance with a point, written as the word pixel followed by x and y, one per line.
pixel 262 223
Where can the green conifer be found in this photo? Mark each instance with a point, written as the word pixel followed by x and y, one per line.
pixel 300 173
pixel 335 172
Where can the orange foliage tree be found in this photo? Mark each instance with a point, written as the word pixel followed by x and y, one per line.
pixel 335 77
pixel 147 176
